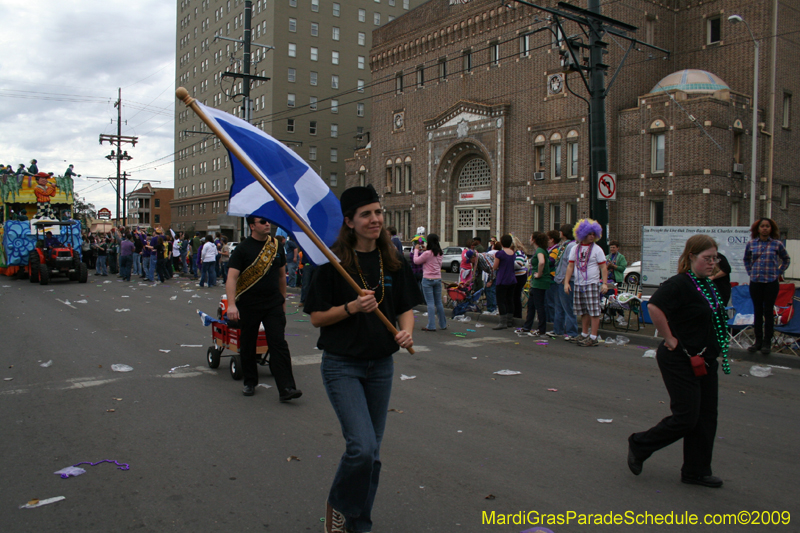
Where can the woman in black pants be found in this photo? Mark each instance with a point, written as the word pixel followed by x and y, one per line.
pixel 765 259
pixel 688 311
pixel 505 282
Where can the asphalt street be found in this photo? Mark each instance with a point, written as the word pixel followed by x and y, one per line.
pixel 462 442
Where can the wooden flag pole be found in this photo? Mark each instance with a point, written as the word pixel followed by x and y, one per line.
pixel 183 96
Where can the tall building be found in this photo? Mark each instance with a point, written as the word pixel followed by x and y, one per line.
pixel 482 131
pixel 317 101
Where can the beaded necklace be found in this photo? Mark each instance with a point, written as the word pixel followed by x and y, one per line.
pixel 583 266
pixel 709 292
pixel 379 284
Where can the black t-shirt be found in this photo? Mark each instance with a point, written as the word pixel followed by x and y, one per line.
pixel 266 292
pixel 724 283
pixel 138 245
pixel 363 335
pixel 688 313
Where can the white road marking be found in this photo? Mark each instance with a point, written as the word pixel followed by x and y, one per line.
pixel 476 343
pixel 300 360
pixel 83 383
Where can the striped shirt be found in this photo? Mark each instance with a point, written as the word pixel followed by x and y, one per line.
pixel 765 260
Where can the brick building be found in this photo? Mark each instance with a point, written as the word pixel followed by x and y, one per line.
pixel 478 130
pixel 149 206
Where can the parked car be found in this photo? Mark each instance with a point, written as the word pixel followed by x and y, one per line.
pixel 633 274
pixel 451 260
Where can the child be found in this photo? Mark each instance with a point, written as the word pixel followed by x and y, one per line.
pixel 591 271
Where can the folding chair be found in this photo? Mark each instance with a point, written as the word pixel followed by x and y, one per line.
pixel 786 337
pixel 740 323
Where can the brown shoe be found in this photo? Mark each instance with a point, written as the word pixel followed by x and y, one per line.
pixel 334 520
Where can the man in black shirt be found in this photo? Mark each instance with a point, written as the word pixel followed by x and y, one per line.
pixel 256 289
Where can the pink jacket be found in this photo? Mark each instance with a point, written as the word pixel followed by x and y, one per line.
pixel 431 264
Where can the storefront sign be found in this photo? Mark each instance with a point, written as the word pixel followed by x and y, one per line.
pixel 474 195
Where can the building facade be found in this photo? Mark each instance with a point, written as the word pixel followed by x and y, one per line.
pixel 317 101
pixel 482 131
pixel 150 206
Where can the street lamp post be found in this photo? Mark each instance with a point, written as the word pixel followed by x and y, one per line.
pixel 733 19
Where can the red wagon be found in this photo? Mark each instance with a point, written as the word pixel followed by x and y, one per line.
pixel 225 336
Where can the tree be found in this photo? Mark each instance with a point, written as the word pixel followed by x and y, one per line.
pixel 83 211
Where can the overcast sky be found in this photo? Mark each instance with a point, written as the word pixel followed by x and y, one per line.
pixel 61 64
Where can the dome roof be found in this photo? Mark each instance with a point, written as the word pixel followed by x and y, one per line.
pixel 691 81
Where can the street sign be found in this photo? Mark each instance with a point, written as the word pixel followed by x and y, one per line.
pixel 104 214
pixel 606 186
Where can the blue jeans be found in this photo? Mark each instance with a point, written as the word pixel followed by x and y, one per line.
pixel 565 321
pixel 101 267
pixel 550 299
pixel 151 267
pixel 137 263
pixel 491 298
pixel 291 272
pixel 125 262
pixel 224 266
pixel 359 393
pixel 184 266
pixel 432 289
pixel 209 273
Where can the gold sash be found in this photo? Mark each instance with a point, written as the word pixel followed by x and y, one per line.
pixel 259 268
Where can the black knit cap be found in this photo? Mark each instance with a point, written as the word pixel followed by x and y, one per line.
pixel 356 197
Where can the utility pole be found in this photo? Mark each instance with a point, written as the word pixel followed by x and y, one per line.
pixel 591 21
pixel 119 155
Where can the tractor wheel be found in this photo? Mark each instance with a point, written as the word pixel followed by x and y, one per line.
pixel 44 275
pixel 33 261
pixel 83 273
pixel 212 357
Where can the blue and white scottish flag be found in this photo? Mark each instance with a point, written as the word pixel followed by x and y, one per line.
pixel 287 173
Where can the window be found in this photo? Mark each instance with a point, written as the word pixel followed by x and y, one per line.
pixel 362 15
pixel 290 99
pixel 315 5
pixel 735 214
pixel 443 68
pixel 787 110
pixel 398 178
pixel 292 3
pixel 572 214
pixel 314 29
pixel 334 81
pixel 360 86
pixel 407 175
pixel 572 155
pixel 650 29
pixel 467 60
pixel 157 219
pixel 398 83
pixel 157 203
pixel 334 106
pixel 714 30
pixel 292 50
pixel 376 19
pixel 334 179
pixel 657 153
pixel 406 4
pixel 336 9
pixel 657 213
pixel 362 38
pixel 335 35
pixel 292 74
pixel 312 127
pixel 334 57
pixel 334 130
pixel 312 153
pixel 361 62
pixel 292 25
pixel 538 158
pixel 314 53
pixel 557 37
pixel 312 103
pixel 313 78
pixel 538 218
pixel 737 147
pixel 784 197
pixel 555 216
pixel 334 155
pixel 525 45
pixel 555 161
pixel 360 109
pixel 289 127
pixel 494 53
pixel 420 76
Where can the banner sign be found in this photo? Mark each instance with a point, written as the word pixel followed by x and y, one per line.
pixel 662 247
pixel 474 195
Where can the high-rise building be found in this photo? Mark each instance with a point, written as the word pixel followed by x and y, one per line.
pixel 317 100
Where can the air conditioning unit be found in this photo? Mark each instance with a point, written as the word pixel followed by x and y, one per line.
pixel 538 176
pixel 738 168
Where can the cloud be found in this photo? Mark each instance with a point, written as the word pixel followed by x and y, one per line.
pixel 61 67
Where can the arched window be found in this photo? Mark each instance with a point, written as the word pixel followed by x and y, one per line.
pixel 475 174
pixel 407 173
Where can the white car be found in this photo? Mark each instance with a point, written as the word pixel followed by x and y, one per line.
pixel 633 274
pixel 451 260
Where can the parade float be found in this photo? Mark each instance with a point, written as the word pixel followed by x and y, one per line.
pixel 28 197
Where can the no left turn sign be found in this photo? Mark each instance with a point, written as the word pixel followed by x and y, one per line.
pixel 606 186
